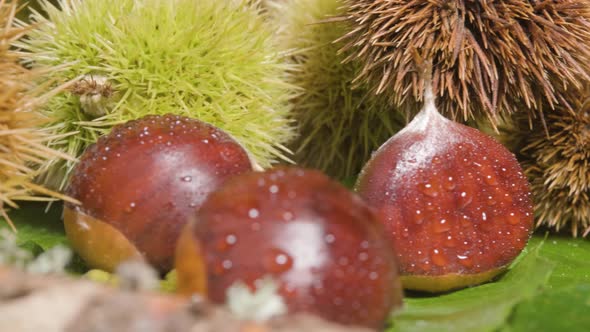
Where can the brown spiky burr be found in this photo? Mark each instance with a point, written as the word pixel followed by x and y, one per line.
pixel 21 140
pixel 489 57
pixel 557 163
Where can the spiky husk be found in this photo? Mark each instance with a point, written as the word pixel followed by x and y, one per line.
pixel 21 142
pixel 338 127
pixel 488 57
pixel 208 59
pixel 557 163
pixel 28 7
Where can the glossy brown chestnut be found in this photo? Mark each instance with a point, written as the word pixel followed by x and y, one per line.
pixel 454 201
pixel 317 239
pixel 141 183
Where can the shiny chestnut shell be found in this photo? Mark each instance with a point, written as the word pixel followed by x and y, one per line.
pixel 140 184
pixel 317 239
pixel 453 200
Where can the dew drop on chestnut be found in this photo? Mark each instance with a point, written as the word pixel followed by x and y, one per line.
pixel 277 261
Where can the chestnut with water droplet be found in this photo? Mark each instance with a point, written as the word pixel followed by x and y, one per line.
pixel 454 201
pixel 319 241
pixel 140 184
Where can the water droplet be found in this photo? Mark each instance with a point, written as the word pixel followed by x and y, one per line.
pixel 491 180
pixel 287 216
pixel 329 238
pixel 418 217
pixel 465 221
pixel 220 267
pixel 491 201
pixel 436 160
pixel 513 218
pixel 465 260
pixel 406 232
pixel 343 261
pixel 186 178
pixel 373 275
pixel 231 239
pixel 450 242
pixel 425 266
pixel 206 141
pixel 278 261
pixel 273 189
pixel 449 183
pixel 438 258
pixel 465 198
pixel 363 256
pixel 442 226
pixel 253 213
pixel 226 242
pixel 484 216
pixel 130 207
pixel 428 190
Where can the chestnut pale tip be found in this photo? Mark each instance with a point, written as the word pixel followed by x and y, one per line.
pixel 100 244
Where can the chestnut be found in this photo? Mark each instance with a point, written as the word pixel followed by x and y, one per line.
pixel 140 184
pixel 454 201
pixel 319 241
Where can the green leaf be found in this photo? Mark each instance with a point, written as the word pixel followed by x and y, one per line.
pixel 37 227
pixel 565 303
pixel 482 308
pixel 571 258
pixel 564 309
pixel 169 284
pixel 40 228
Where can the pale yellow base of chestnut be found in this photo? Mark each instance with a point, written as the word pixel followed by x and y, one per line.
pixel 191 270
pixel 447 282
pixel 99 244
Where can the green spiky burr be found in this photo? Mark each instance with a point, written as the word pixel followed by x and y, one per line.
pixel 208 59
pixel 339 126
